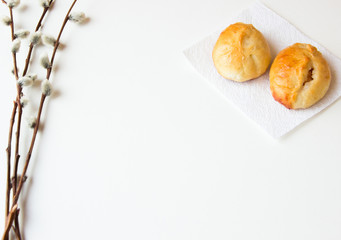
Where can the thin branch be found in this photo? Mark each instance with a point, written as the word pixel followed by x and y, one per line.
pixel 10 135
pixel 9 221
pixel 13 37
pixel 66 19
pixel 17 156
pixel 16 163
pixel 46 9
pixel 12 24
pixel 27 63
pixel 43 15
pixel 8 150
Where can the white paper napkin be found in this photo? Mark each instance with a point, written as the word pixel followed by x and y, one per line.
pixel 254 97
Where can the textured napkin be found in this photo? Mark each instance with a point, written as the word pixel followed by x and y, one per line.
pixel 254 97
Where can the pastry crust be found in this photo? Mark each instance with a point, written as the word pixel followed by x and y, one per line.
pixel 241 53
pixel 299 76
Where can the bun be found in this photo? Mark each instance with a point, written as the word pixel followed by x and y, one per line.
pixel 241 53
pixel 299 76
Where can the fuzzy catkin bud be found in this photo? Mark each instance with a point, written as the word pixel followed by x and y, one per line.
pixel 45 61
pixel 25 81
pixel 21 34
pixel 78 17
pixel 45 3
pixel 46 87
pixel 24 101
pixel 32 122
pixel 32 76
pixel 49 40
pixel 6 20
pixel 35 38
pixel 13 3
pixel 16 45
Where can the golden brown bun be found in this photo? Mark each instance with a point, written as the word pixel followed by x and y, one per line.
pixel 299 76
pixel 241 53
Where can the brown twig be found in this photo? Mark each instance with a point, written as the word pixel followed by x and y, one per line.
pixel 17 156
pixel 8 150
pixel 27 62
pixel 16 161
pixel 14 55
pixel 66 19
pixel 9 221
pixel 43 15
pixel 11 124
pixel 41 105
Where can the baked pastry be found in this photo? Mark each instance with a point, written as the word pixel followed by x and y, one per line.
pixel 299 76
pixel 241 53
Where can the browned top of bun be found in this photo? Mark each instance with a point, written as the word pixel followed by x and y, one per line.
pixel 299 76
pixel 241 53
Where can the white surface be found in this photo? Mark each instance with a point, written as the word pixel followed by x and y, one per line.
pixel 254 97
pixel 138 146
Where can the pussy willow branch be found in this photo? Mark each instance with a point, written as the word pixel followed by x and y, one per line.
pixel 8 186
pixel 19 90
pixel 17 104
pixel 8 150
pixel 16 159
pixel 16 228
pixel 46 9
pixel 29 154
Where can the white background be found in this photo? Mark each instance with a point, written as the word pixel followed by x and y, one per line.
pixel 136 145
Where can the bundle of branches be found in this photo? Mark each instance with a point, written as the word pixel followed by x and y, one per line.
pixel 15 175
